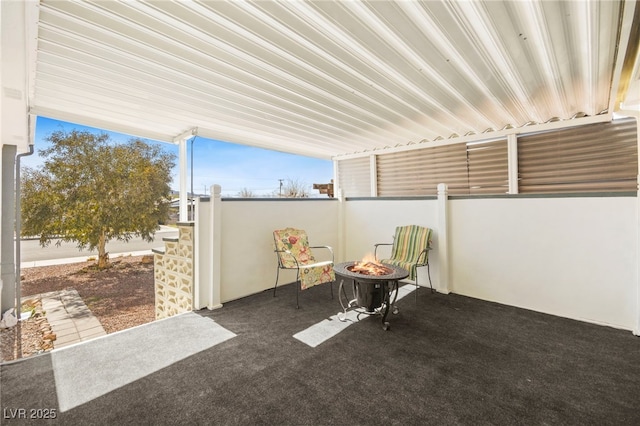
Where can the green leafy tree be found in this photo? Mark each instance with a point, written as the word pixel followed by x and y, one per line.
pixel 91 191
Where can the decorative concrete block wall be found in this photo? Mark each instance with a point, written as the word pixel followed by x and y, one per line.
pixel 174 273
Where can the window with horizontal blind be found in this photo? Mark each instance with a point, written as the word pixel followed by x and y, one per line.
pixel 354 177
pixel 474 168
pixel 595 157
pixel 418 172
pixel 488 167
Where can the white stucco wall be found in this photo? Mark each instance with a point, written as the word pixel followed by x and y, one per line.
pixel 572 257
pixel 372 221
pixel 248 261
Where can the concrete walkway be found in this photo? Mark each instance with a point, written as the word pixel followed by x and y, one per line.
pixel 70 319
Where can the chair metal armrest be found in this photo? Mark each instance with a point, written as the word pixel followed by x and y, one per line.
pixel 375 248
pixel 325 247
pixel 424 253
pixel 290 254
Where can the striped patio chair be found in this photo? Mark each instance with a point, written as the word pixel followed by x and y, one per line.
pixel 293 252
pixel 410 250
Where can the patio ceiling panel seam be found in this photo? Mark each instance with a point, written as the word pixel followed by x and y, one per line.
pixel 365 83
pixel 590 37
pixel 186 105
pixel 407 52
pixel 138 70
pixel 63 96
pixel 83 72
pixel 329 30
pixel 272 76
pixel 118 52
pixel 160 15
pixel 506 25
pixel 418 14
pixel 316 50
pixel 121 127
pixel 271 142
pixel 67 105
pixel 534 19
pixel 481 32
pixel 244 56
pixel 232 133
pixel 366 123
pixel 292 60
pixel 590 32
pixel 98 69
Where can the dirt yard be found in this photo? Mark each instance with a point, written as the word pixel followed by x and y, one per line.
pixel 120 297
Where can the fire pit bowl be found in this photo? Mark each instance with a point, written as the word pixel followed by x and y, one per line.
pixel 346 270
pixel 372 287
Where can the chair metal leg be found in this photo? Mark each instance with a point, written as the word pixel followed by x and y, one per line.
pixel 417 286
pixel 430 284
pixel 429 274
pixel 298 286
pixel 276 284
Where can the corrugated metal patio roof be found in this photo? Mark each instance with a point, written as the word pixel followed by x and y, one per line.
pixel 328 78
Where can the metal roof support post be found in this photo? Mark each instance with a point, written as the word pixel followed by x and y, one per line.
pixel 512 157
pixel 373 175
pixel 337 193
pixel 342 232
pixel 443 239
pixel 181 140
pixel 184 197
pixel 215 238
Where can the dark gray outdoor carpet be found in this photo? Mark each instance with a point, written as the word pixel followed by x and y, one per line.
pixel 446 360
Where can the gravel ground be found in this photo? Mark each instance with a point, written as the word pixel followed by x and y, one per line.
pixel 121 297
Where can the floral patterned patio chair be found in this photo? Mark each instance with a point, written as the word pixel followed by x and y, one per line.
pixel 410 250
pixel 293 252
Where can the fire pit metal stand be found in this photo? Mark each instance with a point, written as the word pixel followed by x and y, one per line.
pixel 371 293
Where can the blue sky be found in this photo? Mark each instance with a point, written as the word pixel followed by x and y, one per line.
pixel 231 166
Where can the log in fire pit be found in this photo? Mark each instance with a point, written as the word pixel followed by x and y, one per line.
pixel 370 268
pixel 373 283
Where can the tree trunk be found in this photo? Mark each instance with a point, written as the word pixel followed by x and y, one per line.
pixel 103 256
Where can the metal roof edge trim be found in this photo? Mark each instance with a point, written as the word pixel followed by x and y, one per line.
pixel 100 124
pixel 533 128
pixel 262 199
pixel 621 194
pixel 550 195
pixel 399 198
